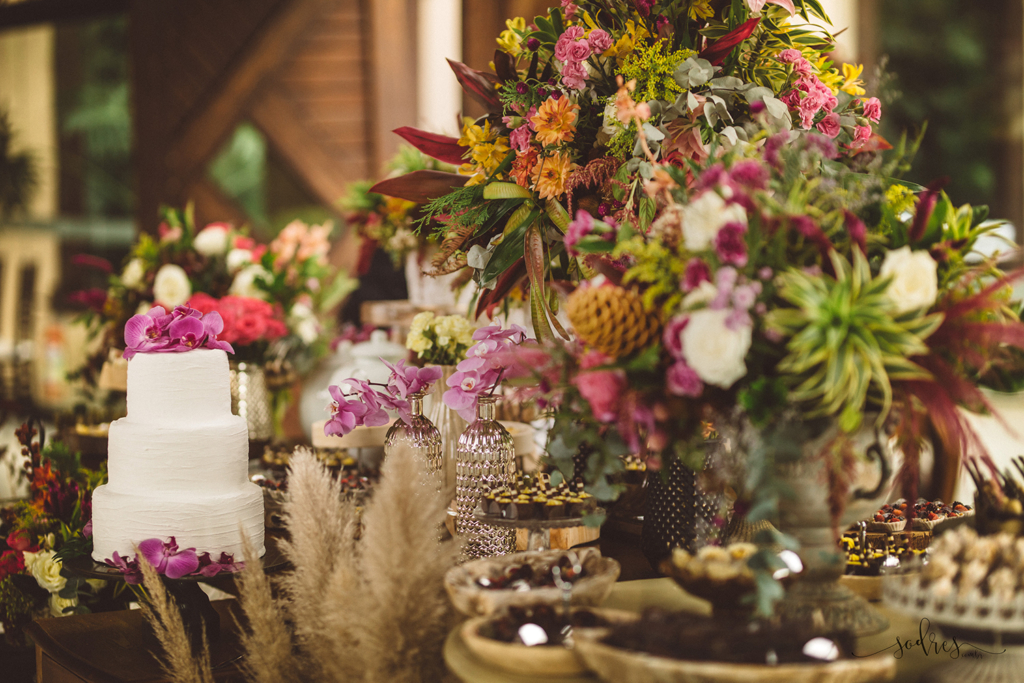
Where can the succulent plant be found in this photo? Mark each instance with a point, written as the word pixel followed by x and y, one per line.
pixel 845 344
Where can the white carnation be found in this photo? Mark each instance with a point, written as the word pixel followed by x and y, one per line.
pixel 715 352
pixel 171 286
pixel 705 216
pixel 133 274
pixel 238 258
pixel 915 283
pixel 212 240
pixel 45 570
pixel 244 283
pixel 702 294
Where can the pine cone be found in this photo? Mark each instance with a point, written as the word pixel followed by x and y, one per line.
pixel 611 319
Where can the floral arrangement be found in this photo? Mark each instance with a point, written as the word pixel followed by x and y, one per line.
pixel 588 102
pixel 439 340
pixel 487 362
pixel 183 329
pixel 367 406
pixel 387 222
pixel 170 561
pixel 38 534
pixel 270 297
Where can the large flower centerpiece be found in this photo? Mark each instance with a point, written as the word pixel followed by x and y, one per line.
pixel 270 297
pixel 558 135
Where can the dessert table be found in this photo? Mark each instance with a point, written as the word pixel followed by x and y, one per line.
pixel 664 593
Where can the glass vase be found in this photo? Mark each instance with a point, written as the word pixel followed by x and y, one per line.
pixel 450 426
pixel 485 458
pixel 419 434
pixel 251 400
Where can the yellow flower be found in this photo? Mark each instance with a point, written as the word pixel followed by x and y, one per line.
pixel 550 174
pixel 487 150
pixel 851 79
pixel 701 9
pixel 555 120
pixel 900 198
pixel 627 42
pixel 417 342
pixel 510 41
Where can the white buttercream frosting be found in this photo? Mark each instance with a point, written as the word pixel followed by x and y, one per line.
pixel 178 463
pixel 179 389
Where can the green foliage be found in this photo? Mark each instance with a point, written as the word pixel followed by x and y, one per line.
pixel 653 66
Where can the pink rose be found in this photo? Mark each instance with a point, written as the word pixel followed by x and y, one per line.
pixel 873 109
pixel 829 125
pixel 862 134
pixel 599 40
pixel 579 50
pixel 682 380
pixel 570 8
pixel 562 48
pixel 602 389
pixel 673 335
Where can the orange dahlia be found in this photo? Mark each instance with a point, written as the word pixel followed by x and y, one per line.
pixel 555 120
pixel 550 174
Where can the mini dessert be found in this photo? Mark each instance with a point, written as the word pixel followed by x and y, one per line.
pixel 889 519
pixel 525 576
pixel 635 470
pixel 507 626
pixel 533 497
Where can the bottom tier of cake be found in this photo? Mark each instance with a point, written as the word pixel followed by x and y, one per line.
pixel 208 523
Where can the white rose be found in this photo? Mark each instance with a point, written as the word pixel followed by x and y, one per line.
pixel 714 351
pixel 705 216
pixel 212 240
pixel 133 273
pixel 57 604
pixel 45 570
pixel 171 286
pixel 305 323
pixel 610 124
pixel 244 283
pixel 237 258
pixel 915 283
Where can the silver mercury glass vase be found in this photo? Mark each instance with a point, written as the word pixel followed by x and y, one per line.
pixel 485 458
pixel 420 435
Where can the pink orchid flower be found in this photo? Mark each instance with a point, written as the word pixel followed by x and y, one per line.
pixel 167 559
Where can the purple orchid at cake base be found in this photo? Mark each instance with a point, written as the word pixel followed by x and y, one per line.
pixel 172 562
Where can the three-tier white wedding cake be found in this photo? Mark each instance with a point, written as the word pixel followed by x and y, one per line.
pixel 178 463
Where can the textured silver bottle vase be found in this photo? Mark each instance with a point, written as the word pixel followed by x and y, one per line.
pixel 485 458
pixel 250 399
pixel 419 434
pixel 678 513
pixel 450 426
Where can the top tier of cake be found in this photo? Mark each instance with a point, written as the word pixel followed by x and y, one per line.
pixel 193 387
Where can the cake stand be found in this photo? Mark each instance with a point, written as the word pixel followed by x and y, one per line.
pixel 539 529
pixel 196 611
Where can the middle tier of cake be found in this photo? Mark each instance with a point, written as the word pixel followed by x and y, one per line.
pixel 206 458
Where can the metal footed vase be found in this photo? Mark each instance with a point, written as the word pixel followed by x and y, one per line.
pixel 485 458
pixel 421 436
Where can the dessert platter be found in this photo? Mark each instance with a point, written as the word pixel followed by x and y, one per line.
pixel 532 503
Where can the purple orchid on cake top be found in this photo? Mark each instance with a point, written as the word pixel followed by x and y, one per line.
pixel 171 562
pixel 367 407
pixel 183 329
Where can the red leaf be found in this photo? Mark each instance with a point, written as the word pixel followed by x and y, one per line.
pixel 717 51
pixel 505 66
pixel 479 85
pixel 441 147
pixel 925 205
pixel 420 186
pixel 493 297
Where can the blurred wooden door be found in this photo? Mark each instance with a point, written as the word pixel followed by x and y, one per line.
pixel 304 72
